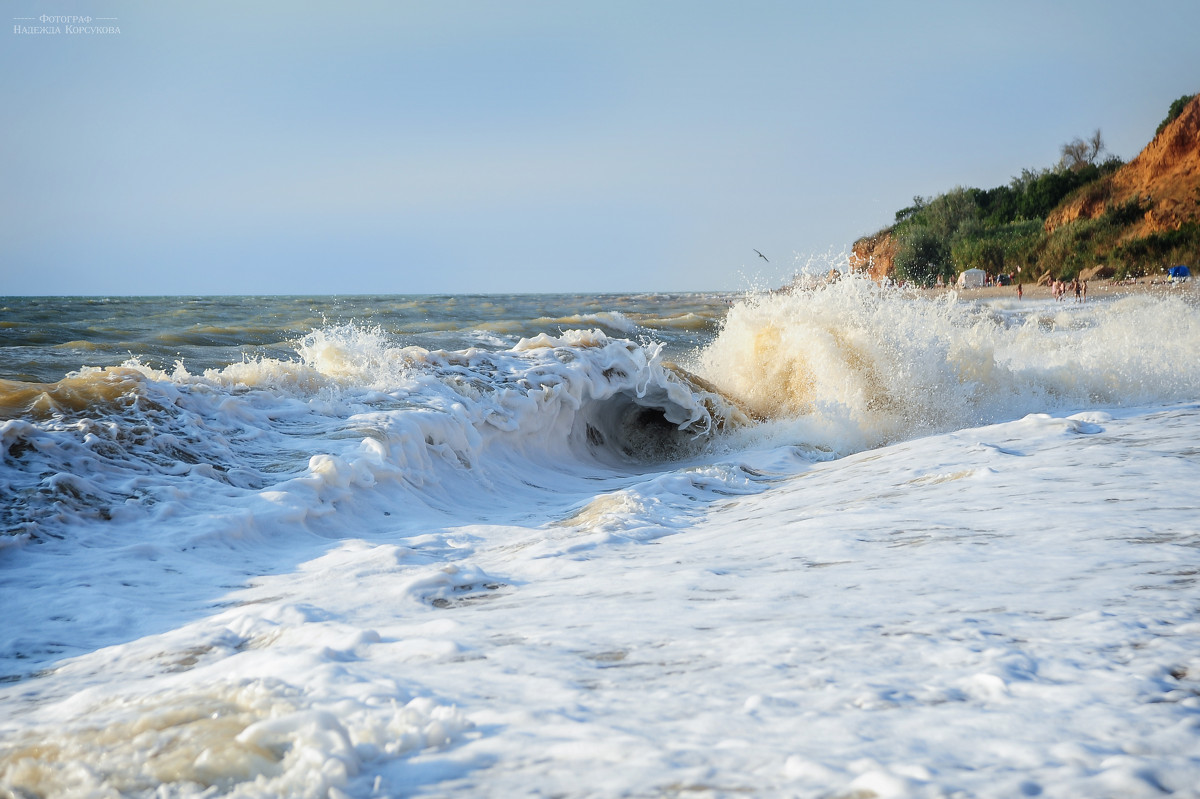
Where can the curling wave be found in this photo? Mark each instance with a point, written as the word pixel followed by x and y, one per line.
pixel 353 411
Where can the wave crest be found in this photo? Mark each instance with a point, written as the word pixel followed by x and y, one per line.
pixel 355 410
pixel 851 365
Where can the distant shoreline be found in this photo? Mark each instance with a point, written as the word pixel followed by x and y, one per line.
pixel 1095 289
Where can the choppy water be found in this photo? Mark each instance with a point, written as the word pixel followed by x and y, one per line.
pixel 43 338
pixel 845 540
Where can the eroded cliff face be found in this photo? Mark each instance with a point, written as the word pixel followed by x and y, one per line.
pixel 875 255
pixel 1165 176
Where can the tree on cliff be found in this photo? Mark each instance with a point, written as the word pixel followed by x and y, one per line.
pixel 1077 153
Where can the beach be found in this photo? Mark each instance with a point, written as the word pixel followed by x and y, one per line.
pixel 1096 290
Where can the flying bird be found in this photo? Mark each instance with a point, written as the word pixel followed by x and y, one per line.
pixel 760 255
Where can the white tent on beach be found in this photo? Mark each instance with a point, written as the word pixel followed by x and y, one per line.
pixel 972 279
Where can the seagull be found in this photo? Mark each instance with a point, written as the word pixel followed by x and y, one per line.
pixel 760 255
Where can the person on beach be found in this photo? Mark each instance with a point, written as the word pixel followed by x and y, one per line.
pixel 1020 291
pixel 1084 291
pixel 1077 288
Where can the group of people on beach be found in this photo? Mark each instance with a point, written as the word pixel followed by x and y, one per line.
pixel 1061 288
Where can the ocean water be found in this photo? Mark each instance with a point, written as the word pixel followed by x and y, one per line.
pixel 845 542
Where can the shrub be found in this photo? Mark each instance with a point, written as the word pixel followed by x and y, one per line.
pixel 1173 112
pixel 1127 213
pixel 997 249
pixel 922 256
pixel 1157 251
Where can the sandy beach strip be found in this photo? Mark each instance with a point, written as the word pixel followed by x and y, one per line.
pixel 1095 289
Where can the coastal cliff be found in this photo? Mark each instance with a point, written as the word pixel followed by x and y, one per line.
pixel 1164 178
pixel 875 255
pixel 1080 217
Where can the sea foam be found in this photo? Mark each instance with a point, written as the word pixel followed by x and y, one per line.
pixel 371 568
pixel 851 365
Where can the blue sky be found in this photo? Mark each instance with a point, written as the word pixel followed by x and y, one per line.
pixel 424 147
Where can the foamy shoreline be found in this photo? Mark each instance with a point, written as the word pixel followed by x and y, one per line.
pixel 456 552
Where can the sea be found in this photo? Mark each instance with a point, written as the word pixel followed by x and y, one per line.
pixel 841 541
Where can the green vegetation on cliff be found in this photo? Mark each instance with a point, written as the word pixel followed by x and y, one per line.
pixel 1173 113
pixel 1003 230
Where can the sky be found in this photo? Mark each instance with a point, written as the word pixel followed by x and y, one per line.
pixel 402 147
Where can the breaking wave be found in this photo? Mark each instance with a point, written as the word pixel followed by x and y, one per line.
pixel 838 369
pixel 352 410
pixel 852 366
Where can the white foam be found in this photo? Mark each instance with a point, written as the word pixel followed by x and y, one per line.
pixel 416 573
pixel 850 365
